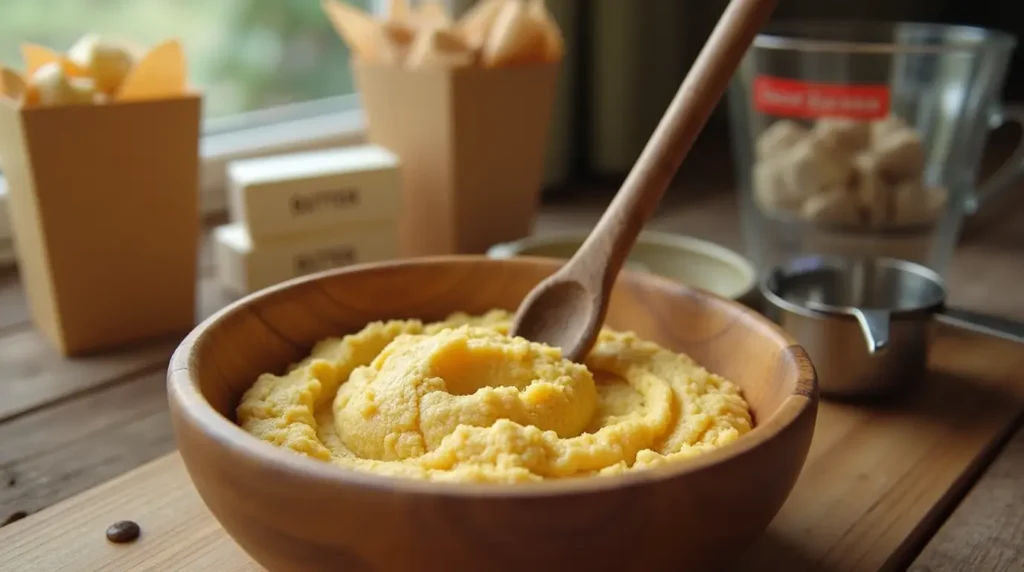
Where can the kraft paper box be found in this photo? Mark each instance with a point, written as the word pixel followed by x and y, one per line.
pixel 104 206
pixel 465 101
pixel 244 267
pixel 472 145
pixel 290 193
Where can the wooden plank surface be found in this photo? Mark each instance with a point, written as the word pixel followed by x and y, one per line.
pixel 177 531
pixel 984 276
pixel 878 481
pixel 69 424
pixel 987 530
pixel 34 375
pixel 113 430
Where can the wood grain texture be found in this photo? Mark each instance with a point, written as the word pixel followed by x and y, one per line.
pixel 875 483
pixel 879 481
pixel 79 444
pixel 293 513
pixel 69 424
pixel 986 531
pixel 567 309
pixel 983 272
pixel 33 375
pixel 177 530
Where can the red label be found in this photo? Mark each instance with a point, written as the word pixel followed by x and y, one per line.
pixel 794 98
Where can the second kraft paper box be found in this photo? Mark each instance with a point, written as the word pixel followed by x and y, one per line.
pixel 472 144
pixel 466 104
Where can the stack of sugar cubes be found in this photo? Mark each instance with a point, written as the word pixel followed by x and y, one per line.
pixel 863 175
pixel 300 213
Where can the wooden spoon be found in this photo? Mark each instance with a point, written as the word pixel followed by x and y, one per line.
pixel 567 309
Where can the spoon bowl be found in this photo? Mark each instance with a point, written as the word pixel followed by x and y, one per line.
pixel 563 314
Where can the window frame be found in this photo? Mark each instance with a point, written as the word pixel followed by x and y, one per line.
pixel 315 124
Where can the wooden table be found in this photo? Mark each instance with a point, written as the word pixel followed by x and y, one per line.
pixel 68 425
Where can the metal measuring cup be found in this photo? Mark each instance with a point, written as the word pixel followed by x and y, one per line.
pixel 866 323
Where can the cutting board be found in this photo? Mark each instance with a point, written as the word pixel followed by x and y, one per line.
pixel 877 484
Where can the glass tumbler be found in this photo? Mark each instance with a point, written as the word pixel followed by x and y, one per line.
pixel 864 139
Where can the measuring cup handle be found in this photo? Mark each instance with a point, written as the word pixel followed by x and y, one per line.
pixel 982 323
pixel 1011 169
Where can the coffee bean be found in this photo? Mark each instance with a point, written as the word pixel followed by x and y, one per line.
pixel 123 531
pixel 15 516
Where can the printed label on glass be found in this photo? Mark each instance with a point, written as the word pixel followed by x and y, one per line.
pixel 795 98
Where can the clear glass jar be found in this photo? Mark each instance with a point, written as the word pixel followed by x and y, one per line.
pixel 864 139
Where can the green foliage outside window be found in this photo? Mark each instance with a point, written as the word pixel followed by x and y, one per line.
pixel 244 54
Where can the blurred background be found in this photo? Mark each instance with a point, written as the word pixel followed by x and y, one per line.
pixel 625 59
pixel 632 56
pixel 245 54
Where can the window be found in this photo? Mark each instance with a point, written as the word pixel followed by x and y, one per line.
pixel 245 54
pixel 274 74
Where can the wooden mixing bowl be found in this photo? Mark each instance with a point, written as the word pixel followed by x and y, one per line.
pixel 290 512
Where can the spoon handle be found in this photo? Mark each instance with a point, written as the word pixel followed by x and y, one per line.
pixel 608 245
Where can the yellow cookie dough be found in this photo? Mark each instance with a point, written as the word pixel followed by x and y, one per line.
pixel 460 400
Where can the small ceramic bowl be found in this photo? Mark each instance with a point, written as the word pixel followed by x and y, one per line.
pixel 691 261
pixel 290 512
